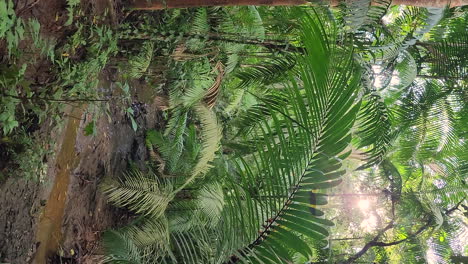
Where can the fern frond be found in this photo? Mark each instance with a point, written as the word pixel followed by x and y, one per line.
pixel 200 23
pixel 138 64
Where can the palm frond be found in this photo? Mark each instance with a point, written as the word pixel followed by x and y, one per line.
pixel 233 57
pixel 406 70
pixel 425 114
pixel 268 72
pixel 188 92
pixel 296 152
pixel 411 252
pixel 202 211
pixel 149 233
pixel 250 118
pixel 211 137
pixel 235 102
pixel 355 13
pixel 143 241
pixel 120 249
pixel 386 46
pixel 212 93
pixel 141 193
pixel 392 175
pixel 253 21
pixel 375 129
pixel 448 58
pixel 243 21
pixel 360 16
pixel 170 144
pixel 427 18
pixel 211 202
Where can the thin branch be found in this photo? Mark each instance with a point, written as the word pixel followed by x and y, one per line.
pixel 420 230
pixel 346 238
pixel 453 209
pixel 353 194
pixel 277 45
pixel 375 243
pixel 438 77
pixel 25 98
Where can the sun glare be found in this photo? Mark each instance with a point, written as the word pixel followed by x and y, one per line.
pixel 369 224
pixel 364 204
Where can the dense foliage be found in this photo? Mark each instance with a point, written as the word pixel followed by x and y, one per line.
pixel 279 122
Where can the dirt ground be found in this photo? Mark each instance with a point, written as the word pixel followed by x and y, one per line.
pixel 85 212
pixel 106 155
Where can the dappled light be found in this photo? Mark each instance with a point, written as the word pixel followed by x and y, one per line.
pixel 369 224
pixel 364 204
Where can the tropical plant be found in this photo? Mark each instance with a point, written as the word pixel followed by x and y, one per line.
pixel 295 149
pixel 408 132
pixel 264 107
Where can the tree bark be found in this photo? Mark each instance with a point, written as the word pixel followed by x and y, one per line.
pixel 346 238
pixel 163 4
pixel 431 3
pixel 376 243
pixel 269 44
pixel 459 259
pixel 159 4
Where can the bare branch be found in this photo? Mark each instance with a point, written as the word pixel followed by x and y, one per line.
pixel 376 243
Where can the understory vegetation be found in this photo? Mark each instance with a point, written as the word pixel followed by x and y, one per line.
pixel 304 134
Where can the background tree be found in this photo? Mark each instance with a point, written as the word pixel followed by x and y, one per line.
pixel 158 5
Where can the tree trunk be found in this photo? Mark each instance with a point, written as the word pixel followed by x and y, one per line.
pixel 459 259
pixel 163 4
pixel 431 3
pixel 159 4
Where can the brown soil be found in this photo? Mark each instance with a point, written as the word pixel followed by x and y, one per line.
pixel 106 155
pixel 66 215
pixel 48 234
pixel 18 205
pixel 70 201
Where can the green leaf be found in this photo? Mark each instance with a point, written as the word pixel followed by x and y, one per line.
pixel 134 124
pixel 90 129
pixel 288 238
